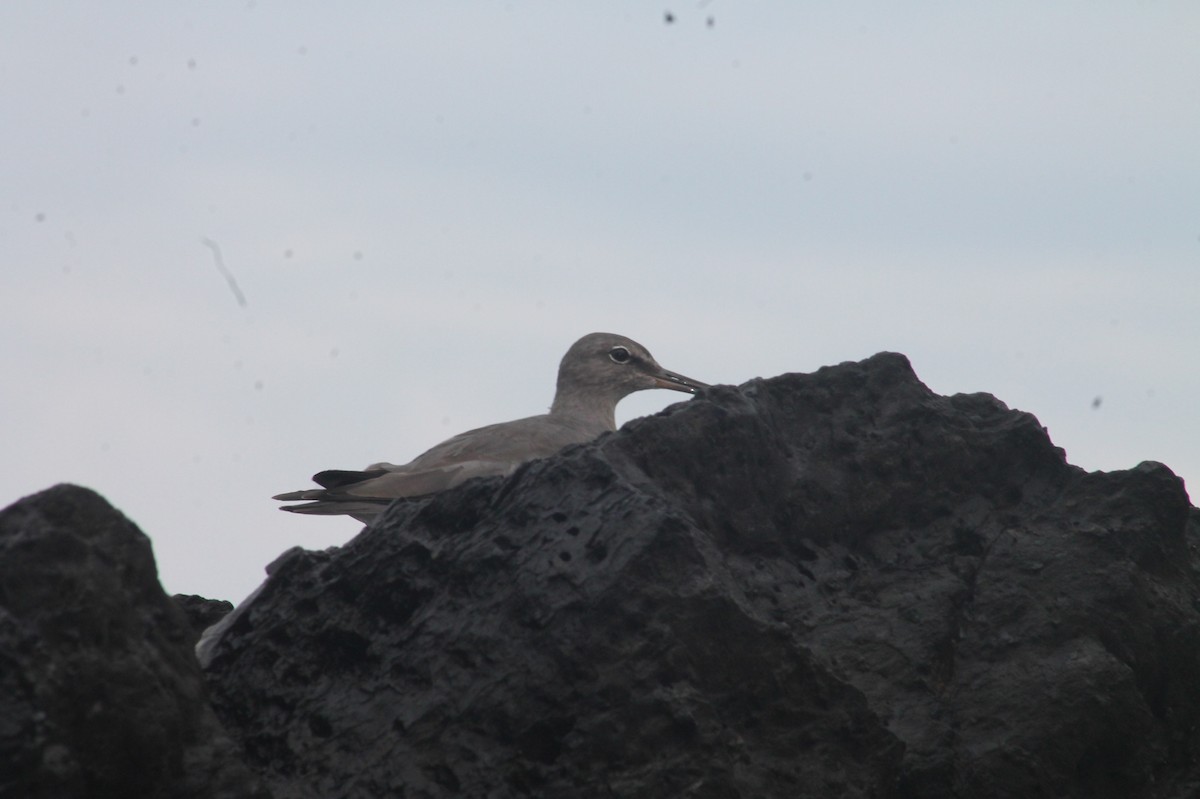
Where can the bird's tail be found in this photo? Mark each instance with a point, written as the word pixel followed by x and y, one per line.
pixel 294 496
pixel 329 501
pixel 364 510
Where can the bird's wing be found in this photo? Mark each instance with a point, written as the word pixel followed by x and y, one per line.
pixel 366 498
pixel 418 482
pixel 513 442
pixel 492 451
pixel 384 486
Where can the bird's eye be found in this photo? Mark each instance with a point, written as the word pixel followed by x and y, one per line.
pixel 619 355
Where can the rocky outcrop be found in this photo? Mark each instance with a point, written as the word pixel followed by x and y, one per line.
pixel 201 613
pixel 834 584
pixel 100 695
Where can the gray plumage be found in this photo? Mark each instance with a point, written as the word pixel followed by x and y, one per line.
pixel 595 374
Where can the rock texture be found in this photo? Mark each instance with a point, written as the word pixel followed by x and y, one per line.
pixel 100 695
pixel 836 584
pixel 201 613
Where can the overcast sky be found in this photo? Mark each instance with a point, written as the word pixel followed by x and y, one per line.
pixel 422 205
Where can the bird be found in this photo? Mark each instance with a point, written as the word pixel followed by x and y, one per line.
pixel 596 373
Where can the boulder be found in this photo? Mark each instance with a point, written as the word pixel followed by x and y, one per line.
pixel 827 584
pixel 100 694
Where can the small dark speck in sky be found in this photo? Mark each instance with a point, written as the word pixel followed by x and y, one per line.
pixel 39 217
pixel 1096 402
pixel 668 17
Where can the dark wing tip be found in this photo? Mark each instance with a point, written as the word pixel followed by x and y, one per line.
pixel 337 478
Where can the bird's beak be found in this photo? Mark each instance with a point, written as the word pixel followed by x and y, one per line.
pixel 665 379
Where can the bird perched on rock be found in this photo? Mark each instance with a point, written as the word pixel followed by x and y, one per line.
pixel 595 374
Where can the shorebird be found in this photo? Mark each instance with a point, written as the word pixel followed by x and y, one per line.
pixel 596 373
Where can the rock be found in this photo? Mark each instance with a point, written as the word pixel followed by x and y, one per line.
pixel 201 613
pixel 836 584
pixel 100 695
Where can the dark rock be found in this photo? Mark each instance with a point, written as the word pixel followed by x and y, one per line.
pixel 100 695
pixel 836 584
pixel 201 613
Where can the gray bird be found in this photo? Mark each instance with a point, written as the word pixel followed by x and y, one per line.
pixel 596 373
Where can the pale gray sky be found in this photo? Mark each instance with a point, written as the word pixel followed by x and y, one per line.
pixel 424 204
